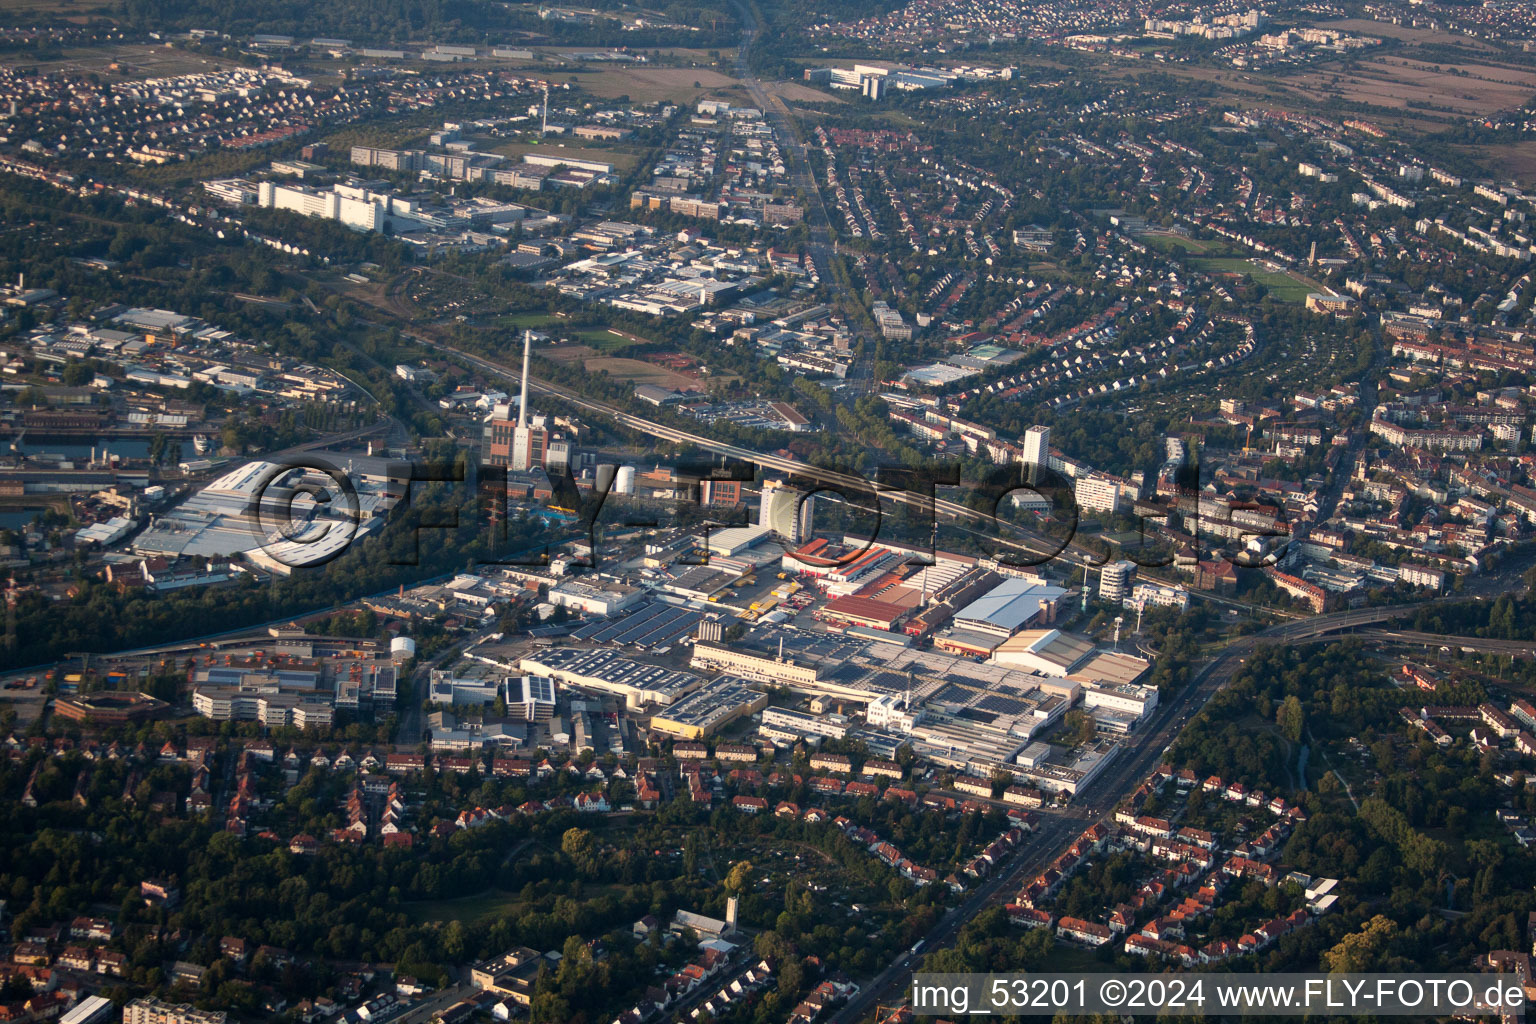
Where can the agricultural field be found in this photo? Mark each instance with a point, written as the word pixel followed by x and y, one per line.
pixel 645 84
pixel 131 62
pixel 78 11
pixel 1516 160
pixel 1407 34
pixel 1399 82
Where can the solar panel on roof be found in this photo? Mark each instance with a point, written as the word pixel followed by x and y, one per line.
pixel 949 694
pixel 1003 705
pixel 845 673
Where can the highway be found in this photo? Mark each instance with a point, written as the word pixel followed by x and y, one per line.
pixel 1485 645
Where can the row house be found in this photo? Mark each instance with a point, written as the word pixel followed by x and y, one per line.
pixel 98 929
pixel 357 812
pixel 745 778
pixel 733 991
pixel 995 853
pixel 592 803
pixel 646 793
pixel 1028 917
pixel 77 958
pixel 1244 867
pixel 1525 712
pixel 1147 826
pixel 1266 934
pixel 404 764
pixel 1166 849
pixel 1089 933
pixel 1217 950
pixel 1176 952
pixel 697 791
pixel 749 804
pixel 1023 796
pixel 1197 836
pixel 832 763
pixel 973 785
pixel 821 999
pixel 1503 725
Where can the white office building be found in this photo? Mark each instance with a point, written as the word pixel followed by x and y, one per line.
pixel 1037 446
pixel 1115 581
pixel 786 512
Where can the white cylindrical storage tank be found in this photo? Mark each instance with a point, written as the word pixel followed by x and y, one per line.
pixel 624 481
pixel 402 647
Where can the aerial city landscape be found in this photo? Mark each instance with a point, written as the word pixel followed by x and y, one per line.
pixel 626 514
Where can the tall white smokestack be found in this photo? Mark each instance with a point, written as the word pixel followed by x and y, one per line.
pixel 522 405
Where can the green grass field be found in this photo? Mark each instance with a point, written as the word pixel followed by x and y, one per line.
pixel 1066 958
pixel 1282 286
pixel 600 339
pixel 1166 242
pixel 472 910
pixel 533 321
pixel 604 341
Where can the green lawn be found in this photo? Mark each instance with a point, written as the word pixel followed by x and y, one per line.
pixel 478 909
pixel 599 338
pixel 1067 958
pixel 536 321
pixel 1282 286
pixel 1169 242
pixel 605 341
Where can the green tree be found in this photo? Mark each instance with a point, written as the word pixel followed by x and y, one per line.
pixel 740 875
pixel 1291 718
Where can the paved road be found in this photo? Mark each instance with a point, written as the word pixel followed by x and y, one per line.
pixel 1122 776
pixel 1486 645
pixel 1058 830
pixel 823 243
pixel 412 721
pixel 423 1010
pixel 832 480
